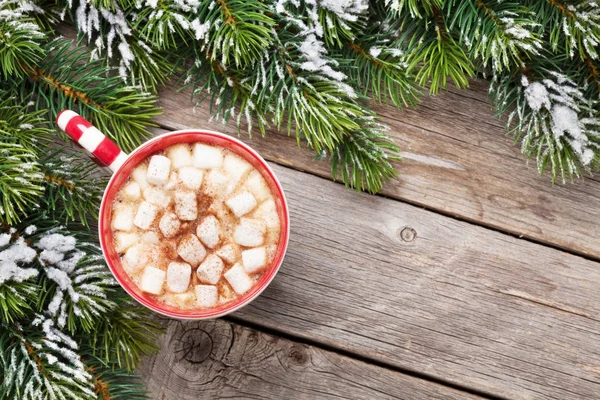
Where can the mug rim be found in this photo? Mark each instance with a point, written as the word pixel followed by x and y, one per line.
pixel 184 314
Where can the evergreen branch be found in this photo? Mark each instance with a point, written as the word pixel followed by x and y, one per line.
pixel 73 187
pixel 124 335
pixel 20 40
pixel 555 122
pixel 434 53
pixel 66 79
pixel 16 299
pixel 500 33
pixel 242 33
pixel 416 8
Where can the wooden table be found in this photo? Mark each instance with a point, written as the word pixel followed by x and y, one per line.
pixel 469 276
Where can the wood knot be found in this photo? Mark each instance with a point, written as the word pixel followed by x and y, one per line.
pixel 194 345
pixel 298 355
pixel 407 234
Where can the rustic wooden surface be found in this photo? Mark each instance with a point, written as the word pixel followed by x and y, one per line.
pixel 220 359
pixel 457 161
pixel 423 298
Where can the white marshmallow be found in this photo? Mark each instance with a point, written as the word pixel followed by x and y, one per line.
pixel 124 240
pixel 268 213
pixel 235 167
pixel 257 185
pixel 238 279
pixel 228 253
pixel 254 259
pixel 241 204
pixel 207 156
pixel 154 195
pixel 139 176
pixel 150 237
pixel 172 182
pixel 191 177
pixel 179 155
pixel 191 250
pixel 215 182
pixel 152 280
pixel 210 269
pixel 178 276
pixel 122 218
pixel 206 295
pixel 249 232
pixel 169 224
pixel 158 170
pixel 131 191
pixel 145 215
pixel 135 258
pixel 186 206
pixel 209 231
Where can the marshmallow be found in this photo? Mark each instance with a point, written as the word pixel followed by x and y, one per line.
pixel 191 177
pixel 268 213
pixel 209 231
pixel 191 250
pixel 150 237
pixel 241 204
pixel 215 182
pixel 158 170
pixel 135 258
pixel 206 295
pixel 124 240
pixel 122 218
pixel 235 167
pixel 228 253
pixel 131 191
pixel 178 277
pixel 186 206
pixel 238 279
pixel 179 155
pixel 254 259
pixel 249 232
pixel 145 215
pixel 256 185
pixel 139 176
pixel 172 182
pixel 157 197
pixel 152 280
pixel 210 269
pixel 169 224
pixel 207 156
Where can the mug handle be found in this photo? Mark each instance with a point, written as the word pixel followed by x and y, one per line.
pixel 91 139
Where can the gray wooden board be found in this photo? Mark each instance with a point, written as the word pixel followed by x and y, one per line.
pixel 219 359
pixel 459 302
pixel 457 160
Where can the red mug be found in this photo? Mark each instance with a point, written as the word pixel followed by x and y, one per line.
pixel 121 165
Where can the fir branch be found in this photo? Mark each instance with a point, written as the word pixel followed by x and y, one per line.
pixel 20 39
pixel 500 33
pixel 66 79
pixel 554 120
pixel 73 187
pixel 434 52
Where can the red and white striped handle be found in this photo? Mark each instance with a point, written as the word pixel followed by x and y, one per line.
pixel 91 139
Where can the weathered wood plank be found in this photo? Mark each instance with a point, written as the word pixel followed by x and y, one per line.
pixel 220 359
pixel 457 302
pixel 456 161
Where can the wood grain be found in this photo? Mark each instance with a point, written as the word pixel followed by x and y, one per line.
pixel 423 292
pixel 219 359
pixel 457 161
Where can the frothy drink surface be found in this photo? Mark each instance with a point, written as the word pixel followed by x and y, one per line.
pixel 195 226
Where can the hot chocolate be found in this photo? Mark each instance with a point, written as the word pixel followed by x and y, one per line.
pixel 195 226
